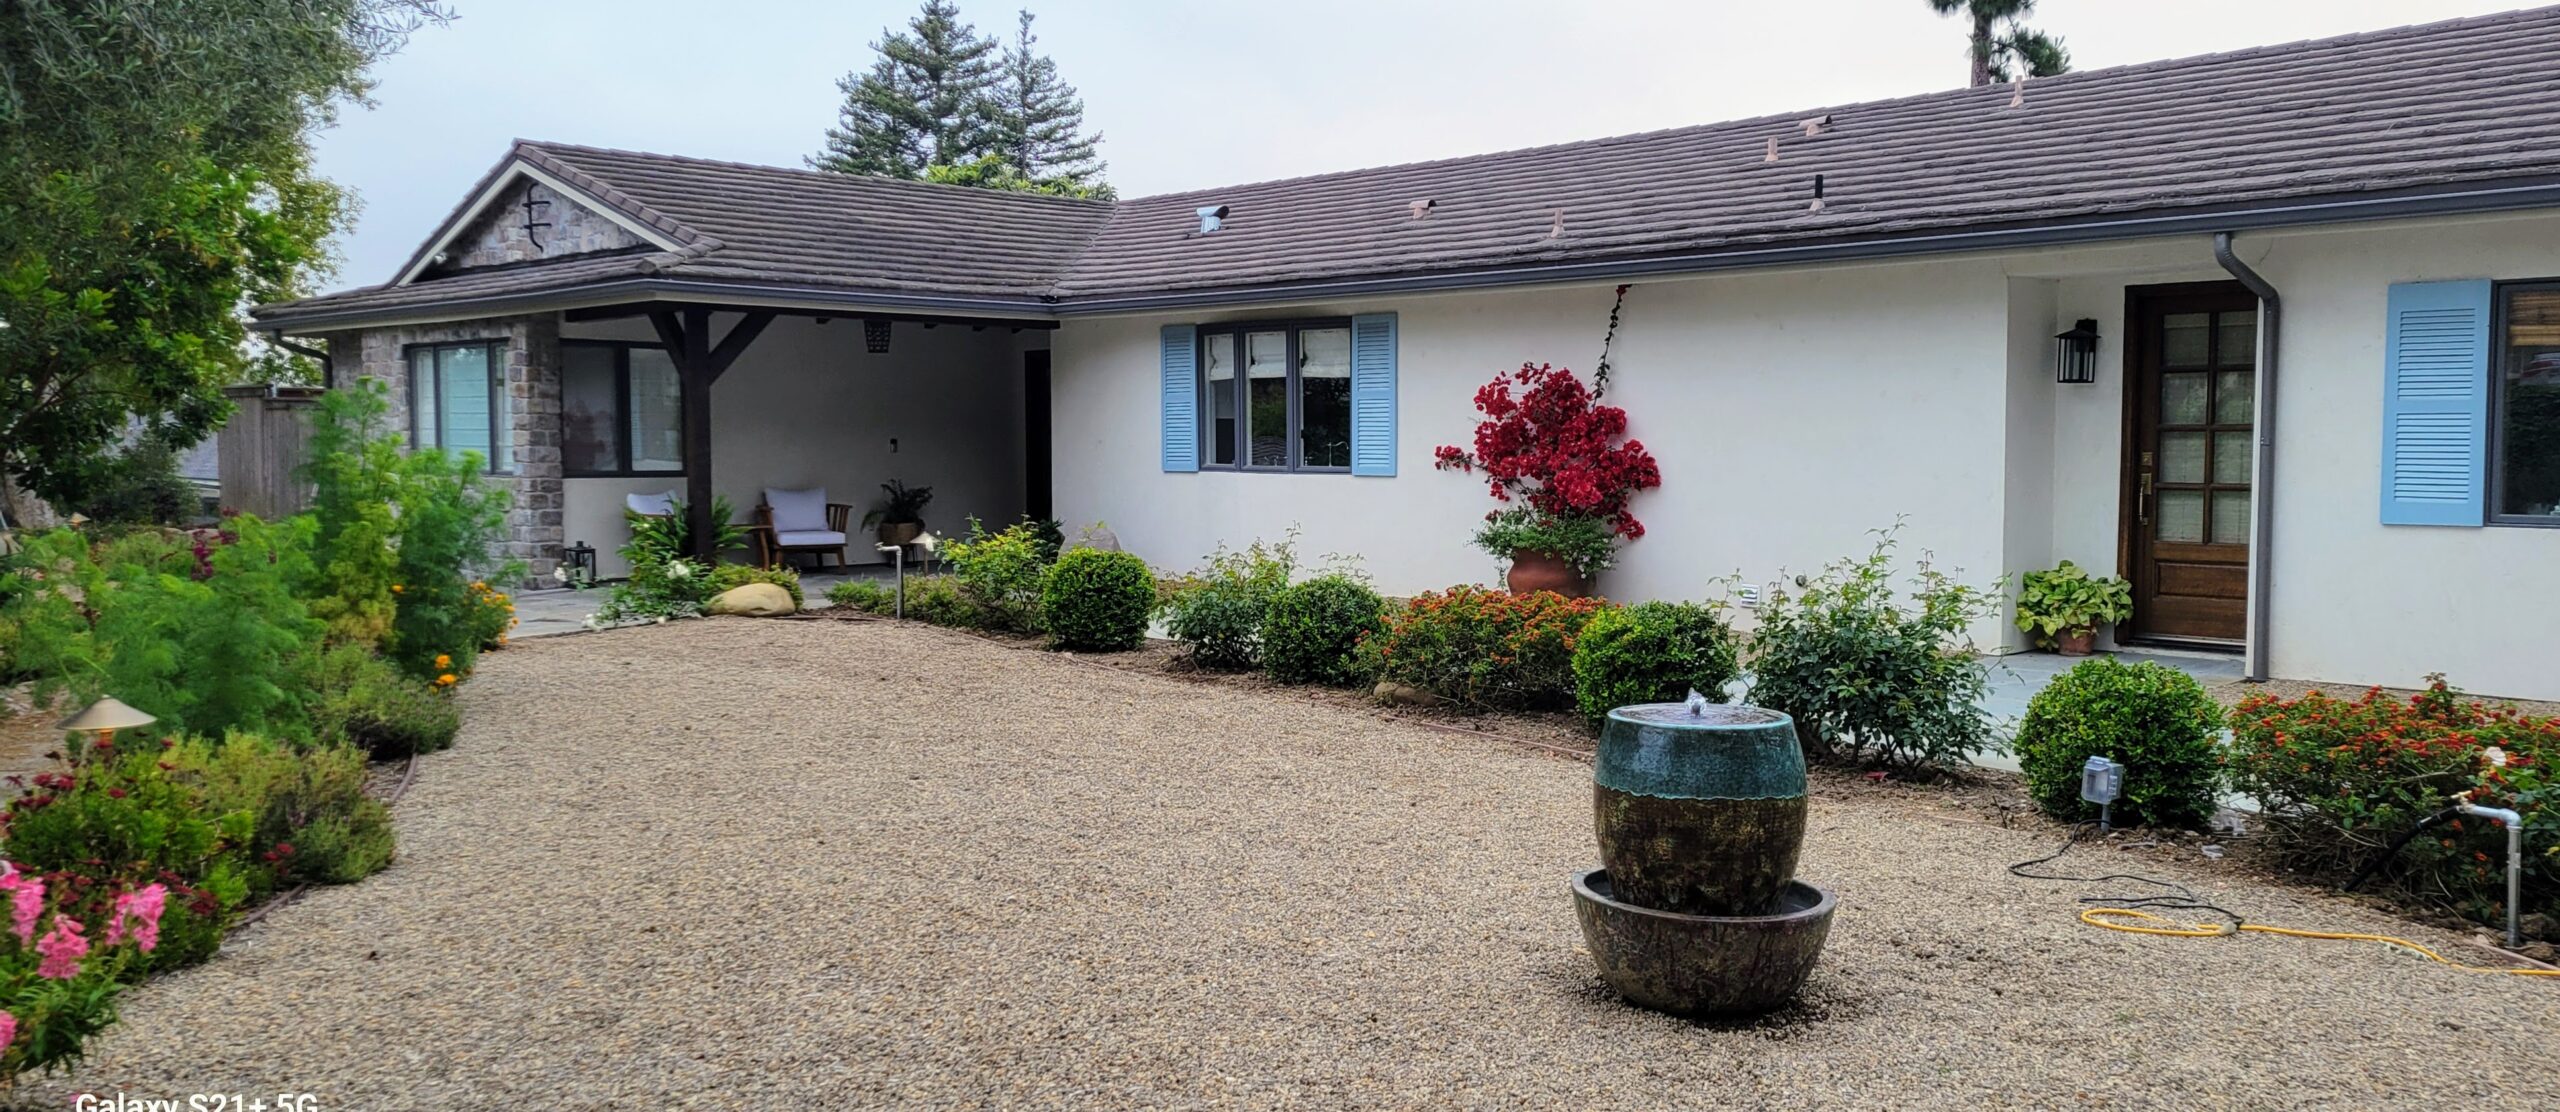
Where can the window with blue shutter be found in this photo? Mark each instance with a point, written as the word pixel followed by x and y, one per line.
pixel 1373 394
pixel 2435 403
pixel 1181 399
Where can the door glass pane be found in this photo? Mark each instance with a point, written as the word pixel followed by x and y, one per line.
pixel 2186 339
pixel 2182 457
pixel 1324 397
pixel 2231 517
pixel 462 381
pixel 589 439
pixel 1218 401
pixel 657 412
pixel 2182 398
pixel 1266 373
pixel 2529 406
pixel 2235 397
pixel 2231 458
pixel 2239 340
pixel 2181 519
pixel 423 414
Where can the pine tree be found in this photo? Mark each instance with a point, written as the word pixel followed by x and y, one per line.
pixel 926 100
pixel 2000 44
pixel 1039 123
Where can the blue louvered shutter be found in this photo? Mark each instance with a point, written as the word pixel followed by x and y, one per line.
pixel 1373 394
pixel 1181 397
pixel 2435 403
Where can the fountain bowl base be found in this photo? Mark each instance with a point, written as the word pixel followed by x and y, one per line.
pixel 1703 965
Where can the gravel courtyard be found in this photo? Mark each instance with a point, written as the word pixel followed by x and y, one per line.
pixel 729 864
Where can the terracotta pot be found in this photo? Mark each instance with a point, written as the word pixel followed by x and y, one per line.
pixel 1540 571
pixel 2076 642
pixel 901 532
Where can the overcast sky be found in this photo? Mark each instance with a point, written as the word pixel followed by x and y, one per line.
pixel 1190 95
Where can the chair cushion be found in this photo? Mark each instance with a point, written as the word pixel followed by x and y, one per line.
pixel 797 511
pixel 808 538
pixel 651 505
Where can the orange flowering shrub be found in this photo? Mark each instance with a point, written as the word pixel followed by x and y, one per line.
pixel 1484 648
pixel 2340 780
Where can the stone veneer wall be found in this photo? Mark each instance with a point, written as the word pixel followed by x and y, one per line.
pixel 500 236
pixel 533 407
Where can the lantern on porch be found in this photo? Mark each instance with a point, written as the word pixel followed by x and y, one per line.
pixel 2075 354
pixel 579 562
pixel 875 335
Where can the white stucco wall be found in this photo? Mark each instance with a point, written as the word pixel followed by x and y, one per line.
pixel 1784 437
pixel 806 406
pixel 1793 411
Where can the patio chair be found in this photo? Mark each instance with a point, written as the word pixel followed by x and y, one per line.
pixel 802 521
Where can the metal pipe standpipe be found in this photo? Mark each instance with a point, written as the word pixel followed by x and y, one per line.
pixel 2515 862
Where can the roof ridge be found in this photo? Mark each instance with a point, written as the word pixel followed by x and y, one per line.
pixel 1793 118
pixel 812 172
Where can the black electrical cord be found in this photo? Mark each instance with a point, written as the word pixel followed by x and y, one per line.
pixel 2175 897
pixel 2384 858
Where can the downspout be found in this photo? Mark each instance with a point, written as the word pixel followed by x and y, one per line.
pixel 2263 485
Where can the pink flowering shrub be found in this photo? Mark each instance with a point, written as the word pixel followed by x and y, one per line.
pixel 57 987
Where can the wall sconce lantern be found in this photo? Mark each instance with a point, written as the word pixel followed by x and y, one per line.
pixel 2075 354
pixel 875 335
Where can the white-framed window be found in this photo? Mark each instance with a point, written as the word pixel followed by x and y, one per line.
pixel 621 410
pixel 458 400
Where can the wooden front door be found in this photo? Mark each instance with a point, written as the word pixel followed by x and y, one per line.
pixel 2193 385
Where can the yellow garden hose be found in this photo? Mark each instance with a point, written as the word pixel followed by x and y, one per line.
pixel 2105 916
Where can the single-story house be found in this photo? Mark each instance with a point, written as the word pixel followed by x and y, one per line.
pixel 2323 426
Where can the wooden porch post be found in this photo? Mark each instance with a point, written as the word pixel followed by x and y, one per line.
pixel 698 365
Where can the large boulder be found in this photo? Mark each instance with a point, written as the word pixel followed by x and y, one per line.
pixel 754 600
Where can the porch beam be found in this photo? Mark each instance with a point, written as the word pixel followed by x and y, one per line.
pixel 687 336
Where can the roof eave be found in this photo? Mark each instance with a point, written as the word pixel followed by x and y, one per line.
pixel 282 318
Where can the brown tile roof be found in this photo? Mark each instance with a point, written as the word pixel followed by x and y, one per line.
pixel 2459 106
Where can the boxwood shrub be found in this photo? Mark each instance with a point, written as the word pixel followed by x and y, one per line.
pixel 1654 652
pixel 1097 600
pixel 2156 720
pixel 1311 631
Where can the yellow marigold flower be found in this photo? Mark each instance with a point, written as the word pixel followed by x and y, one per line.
pixel 395 588
pixel 444 660
pixel 446 680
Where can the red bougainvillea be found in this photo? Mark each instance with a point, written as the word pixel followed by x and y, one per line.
pixel 1544 442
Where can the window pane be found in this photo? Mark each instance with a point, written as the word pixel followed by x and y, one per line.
pixel 1218 401
pixel 2231 458
pixel 2231 517
pixel 423 413
pixel 2235 397
pixel 1266 372
pixel 588 417
pixel 1324 397
pixel 657 412
pixel 2182 400
pixel 2239 340
pixel 462 387
pixel 2181 519
pixel 2529 404
pixel 2182 457
pixel 2186 339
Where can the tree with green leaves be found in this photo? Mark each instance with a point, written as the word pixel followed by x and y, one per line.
pixel 1039 123
pixel 2001 46
pixel 925 101
pixel 156 179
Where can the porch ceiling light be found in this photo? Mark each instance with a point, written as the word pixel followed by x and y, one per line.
pixel 2075 354
pixel 875 335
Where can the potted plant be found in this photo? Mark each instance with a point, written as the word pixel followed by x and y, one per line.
pixel 900 515
pixel 1562 465
pixel 2064 606
pixel 1547 552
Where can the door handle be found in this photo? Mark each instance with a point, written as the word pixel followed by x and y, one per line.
pixel 2142 501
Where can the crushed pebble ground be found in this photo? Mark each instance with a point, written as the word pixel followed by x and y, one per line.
pixel 731 864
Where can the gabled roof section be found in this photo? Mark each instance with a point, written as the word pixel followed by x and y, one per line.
pixel 2460 116
pixel 529 162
